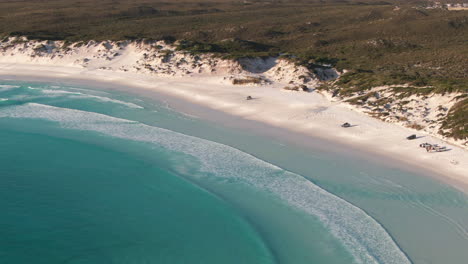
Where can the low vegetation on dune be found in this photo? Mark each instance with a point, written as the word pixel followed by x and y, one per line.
pixel 229 48
pixel 379 43
pixel 248 80
pixel 456 123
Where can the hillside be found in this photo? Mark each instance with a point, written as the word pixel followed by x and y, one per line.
pixel 398 44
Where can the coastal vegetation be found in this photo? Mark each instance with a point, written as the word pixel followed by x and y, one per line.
pixel 248 80
pixel 378 43
pixel 456 122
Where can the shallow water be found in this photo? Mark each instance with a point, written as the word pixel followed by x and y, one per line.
pixel 97 176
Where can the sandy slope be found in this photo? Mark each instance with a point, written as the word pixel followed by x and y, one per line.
pixel 309 113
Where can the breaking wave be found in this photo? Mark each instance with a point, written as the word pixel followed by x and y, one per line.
pixel 362 236
pixel 79 95
pixel 7 87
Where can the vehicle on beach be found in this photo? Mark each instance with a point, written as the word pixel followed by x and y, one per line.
pixel 346 125
pixel 411 137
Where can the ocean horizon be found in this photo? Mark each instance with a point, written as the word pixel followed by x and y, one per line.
pixel 101 176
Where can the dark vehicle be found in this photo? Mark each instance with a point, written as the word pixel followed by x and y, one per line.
pixel 346 125
pixel 411 137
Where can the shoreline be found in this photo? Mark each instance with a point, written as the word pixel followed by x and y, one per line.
pixel 293 117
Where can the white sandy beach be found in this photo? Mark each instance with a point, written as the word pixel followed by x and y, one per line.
pixel 312 114
pixel 308 113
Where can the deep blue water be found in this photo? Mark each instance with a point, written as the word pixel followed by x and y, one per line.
pixel 93 176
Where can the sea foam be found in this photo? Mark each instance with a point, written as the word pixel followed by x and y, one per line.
pixel 7 87
pixel 80 95
pixel 362 236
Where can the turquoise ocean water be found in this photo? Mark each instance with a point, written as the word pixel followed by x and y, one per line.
pixel 97 176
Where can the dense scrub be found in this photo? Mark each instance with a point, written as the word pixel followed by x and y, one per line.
pixel 407 41
pixel 379 42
